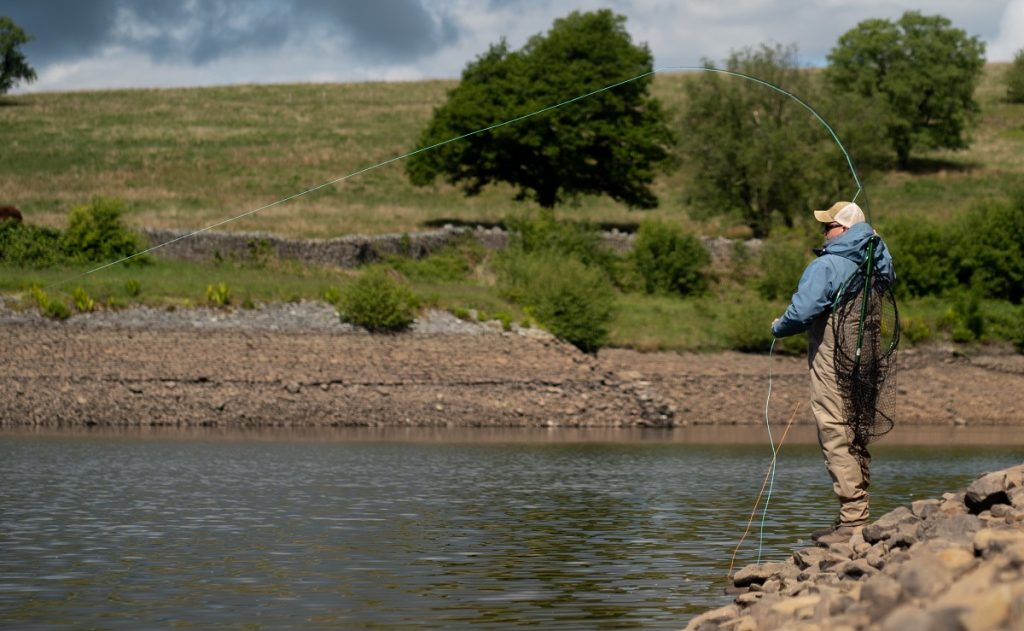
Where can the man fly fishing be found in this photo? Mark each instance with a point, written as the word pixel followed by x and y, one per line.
pixel 844 302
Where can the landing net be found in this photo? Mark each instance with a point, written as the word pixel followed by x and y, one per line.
pixel 866 325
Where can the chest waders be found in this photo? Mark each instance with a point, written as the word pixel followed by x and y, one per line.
pixel 865 322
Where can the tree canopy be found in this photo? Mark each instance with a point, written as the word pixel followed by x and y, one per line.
pixel 612 143
pixel 1015 79
pixel 922 69
pixel 13 66
pixel 757 154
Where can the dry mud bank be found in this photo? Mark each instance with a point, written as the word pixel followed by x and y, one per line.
pixel 955 563
pixel 296 365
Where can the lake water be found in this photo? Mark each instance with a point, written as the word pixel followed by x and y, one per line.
pixel 412 531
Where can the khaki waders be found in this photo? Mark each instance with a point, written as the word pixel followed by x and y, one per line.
pixel 850 477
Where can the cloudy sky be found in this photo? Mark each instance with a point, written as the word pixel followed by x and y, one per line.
pixel 95 44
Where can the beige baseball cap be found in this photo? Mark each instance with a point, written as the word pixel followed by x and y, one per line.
pixel 845 214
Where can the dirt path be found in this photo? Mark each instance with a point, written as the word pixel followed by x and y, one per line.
pixel 131 370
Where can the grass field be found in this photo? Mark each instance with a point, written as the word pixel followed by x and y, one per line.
pixel 187 158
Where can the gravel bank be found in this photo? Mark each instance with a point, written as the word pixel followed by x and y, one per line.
pixel 298 365
pixel 955 563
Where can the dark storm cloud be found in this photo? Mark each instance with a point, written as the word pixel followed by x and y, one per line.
pixel 203 31
pixel 394 29
pixel 63 29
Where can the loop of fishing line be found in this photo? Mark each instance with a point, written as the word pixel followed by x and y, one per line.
pixel 510 121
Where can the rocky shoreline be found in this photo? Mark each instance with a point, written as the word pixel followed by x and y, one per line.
pixel 297 365
pixel 955 563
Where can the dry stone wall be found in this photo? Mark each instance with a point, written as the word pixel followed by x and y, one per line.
pixel 354 250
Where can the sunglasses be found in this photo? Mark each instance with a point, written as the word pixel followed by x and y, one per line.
pixel 830 226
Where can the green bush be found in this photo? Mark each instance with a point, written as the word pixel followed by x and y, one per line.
pixel 218 295
pixel 1015 79
pixel 95 233
pixel 331 295
pixel 379 300
pixel 132 287
pixel 670 261
pixel 82 301
pixel 922 255
pixel 51 308
pixel 989 251
pixel 914 330
pixel 452 263
pixel 542 232
pixel 571 300
pixel 780 263
pixel 25 245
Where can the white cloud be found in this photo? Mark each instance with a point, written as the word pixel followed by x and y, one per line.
pixel 1011 33
pixel 680 33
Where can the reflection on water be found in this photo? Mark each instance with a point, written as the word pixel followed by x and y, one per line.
pixel 114 531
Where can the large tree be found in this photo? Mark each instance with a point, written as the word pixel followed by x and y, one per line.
pixel 613 142
pixel 757 154
pixel 13 66
pixel 922 69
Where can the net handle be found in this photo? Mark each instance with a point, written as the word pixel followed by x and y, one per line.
pixel 868 273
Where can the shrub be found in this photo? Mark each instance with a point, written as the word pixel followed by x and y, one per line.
pixel 1015 79
pixel 573 301
pixel 132 287
pixel 50 308
pixel 25 245
pixel 218 295
pixel 921 251
pixel 331 295
pixel 914 330
pixel 670 261
pixel 989 251
pixel 781 264
pixel 82 301
pixel 542 232
pixel 95 233
pixel 452 263
pixel 378 300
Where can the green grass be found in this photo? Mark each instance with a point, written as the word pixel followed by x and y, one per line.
pixel 186 158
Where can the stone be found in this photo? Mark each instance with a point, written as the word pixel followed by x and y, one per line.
pixel 746 623
pixel 907 618
pixel 956 528
pixel 1017 497
pixel 793 606
pixel 876 556
pixel 806 558
pixel 712 619
pixel 905 536
pixel 956 559
pixel 882 593
pixel 991 541
pixel 749 598
pixel 755 573
pixel 991 489
pixel 923 509
pixel 855 569
pixel 843 550
pixel 990 611
pixel 924 576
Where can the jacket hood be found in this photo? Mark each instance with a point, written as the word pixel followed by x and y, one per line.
pixel 852 244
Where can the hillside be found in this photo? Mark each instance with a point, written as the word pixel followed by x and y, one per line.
pixel 186 158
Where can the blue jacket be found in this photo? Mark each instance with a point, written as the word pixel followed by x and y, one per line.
pixel 826 274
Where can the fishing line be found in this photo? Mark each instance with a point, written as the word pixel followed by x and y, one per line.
pixel 510 121
pixel 760 494
pixel 775 453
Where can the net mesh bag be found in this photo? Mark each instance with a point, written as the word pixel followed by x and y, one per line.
pixel 867 333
